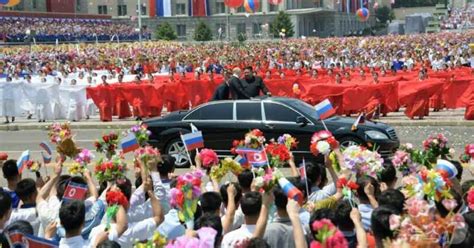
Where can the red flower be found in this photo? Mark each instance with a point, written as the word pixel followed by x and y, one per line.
pixel 196 182
pixel 313 149
pixel 97 145
pixel 180 198
pixel 116 198
pixel 333 142
pixel 257 132
pixel 113 136
pixel 341 182
pixel 236 143
pixel 105 138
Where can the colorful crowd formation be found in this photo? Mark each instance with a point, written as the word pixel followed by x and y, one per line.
pixel 421 197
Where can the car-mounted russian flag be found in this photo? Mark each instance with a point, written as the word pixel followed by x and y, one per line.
pixel 21 162
pixel 324 109
pixel 256 158
pixel 193 140
pixel 129 143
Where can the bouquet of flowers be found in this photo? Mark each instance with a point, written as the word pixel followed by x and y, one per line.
pixel 33 166
pixel 141 133
pixel 209 158
pixel 148 155
pixel 107 145
pixel 266 178
pixel 226 165
pixel 110 170
pixel 278 154
pixel 402 162
pixel 422 227
pixel 467 158
pixel 157 241
pixel 81 161
pixel 433 184
pixel 327 235
pixel 289 141
pixel 322 142
pixel 114 199
pixel 185 196
pixel 470 198
pixel 348 189
pixel 362 161
pixel 253 139
pixel 435 146
pixel 61 135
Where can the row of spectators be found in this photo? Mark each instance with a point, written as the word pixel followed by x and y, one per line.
pixel 459 18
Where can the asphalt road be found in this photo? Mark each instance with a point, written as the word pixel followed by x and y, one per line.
pixel 15 142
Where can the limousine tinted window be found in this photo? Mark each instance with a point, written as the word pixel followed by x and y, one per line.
pixel 218 111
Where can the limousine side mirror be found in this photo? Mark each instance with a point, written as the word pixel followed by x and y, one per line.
pixel 302 121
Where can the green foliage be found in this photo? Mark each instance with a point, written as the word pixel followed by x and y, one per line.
pixel 241 37
pixel 384 14
pixel 417 3
pixel 165 32
pixel 202 32
pixel 282 22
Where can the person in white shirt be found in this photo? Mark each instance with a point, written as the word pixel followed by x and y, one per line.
pixel 367 192
pixel 253 207
pixel 72 215
pixel 27 192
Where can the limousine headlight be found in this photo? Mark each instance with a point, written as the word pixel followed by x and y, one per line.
pixel 376 135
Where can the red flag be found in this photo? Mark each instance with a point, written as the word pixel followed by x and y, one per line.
pixel 75 191
pixel 20 240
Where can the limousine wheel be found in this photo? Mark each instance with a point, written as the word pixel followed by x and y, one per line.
pixel 347 141
pixel 176 149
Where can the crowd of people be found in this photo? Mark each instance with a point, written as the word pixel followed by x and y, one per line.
pixel 21 29
pixel 347 200
pixel 459 18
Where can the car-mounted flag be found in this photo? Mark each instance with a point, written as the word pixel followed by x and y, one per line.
pixel 324 109
pixel 256 158
pixel 18 239
pixel 193 140
pixel 21 162
pixel 360 120
pixel 75 191
pixel 129 143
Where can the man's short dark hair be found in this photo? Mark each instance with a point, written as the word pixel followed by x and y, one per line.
pixel 322 213
pixel 245 179
pixel 20 226
pixel 258 243
pixel 362 182
pixel 167 165
pixel 10 169
pixel 281 200
pixel 392 198
pixel 213 221
pixel 210 202
pixel 248 68
pixel 251 203
pixel 380 222
pixel 388 174
pixel 225 197
pixel 109 244
pixel 342 215
pixel 5 203
pixel 125 185
pixel 72 215
pixel 25 188
pixel 313 172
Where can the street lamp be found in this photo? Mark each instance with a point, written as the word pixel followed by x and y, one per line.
pixel 139 9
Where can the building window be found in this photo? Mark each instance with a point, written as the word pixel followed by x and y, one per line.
pixel 257 28
pixel 241 9
pixel 35 4
pixel 273 8
pixel 181 30
pixel 102 9
pixel 241 28
pixel 78 5
pixel 122 10
pixel 181 9
pixel 220 8
pixel 143 9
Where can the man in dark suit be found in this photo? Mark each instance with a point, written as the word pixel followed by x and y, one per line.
pixel 253 84
pixel 222 91
pixel 236 87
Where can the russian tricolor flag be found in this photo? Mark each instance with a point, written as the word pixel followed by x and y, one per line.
pixel 193 140
pixel 21 162
pixel 324 109
pixel 129 143
pixel 199 8
pixel 47 148
pixel 241 160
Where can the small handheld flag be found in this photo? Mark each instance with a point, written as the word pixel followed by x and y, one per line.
pixel 241 160
pixel 18 239
pixel 21 162
pixel 290 190
pixel 47 155
pixel 129 143
pixel 324 109
pixel 75 191
pixel 193 140
pixel 256 158
pixel 302 170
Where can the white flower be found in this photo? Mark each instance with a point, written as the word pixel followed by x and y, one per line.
pixel 259 182
pixel 323 147
pixel 409 146
pixel 435 141
pixel 247 140
pixel 452 151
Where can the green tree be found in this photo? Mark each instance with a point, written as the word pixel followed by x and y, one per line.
pixel 202 32
pixel 384 14
pixel 164 31
pixel 282 22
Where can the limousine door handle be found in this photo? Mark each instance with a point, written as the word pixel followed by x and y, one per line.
pixel 270 126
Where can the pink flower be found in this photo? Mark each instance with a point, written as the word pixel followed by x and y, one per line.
pixel 315 244
pixel 208 157
pixel 449 204
pixel 394 221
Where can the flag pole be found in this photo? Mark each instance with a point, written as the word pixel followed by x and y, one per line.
pixel 324 124
pixel 306 179
pixel 265 152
